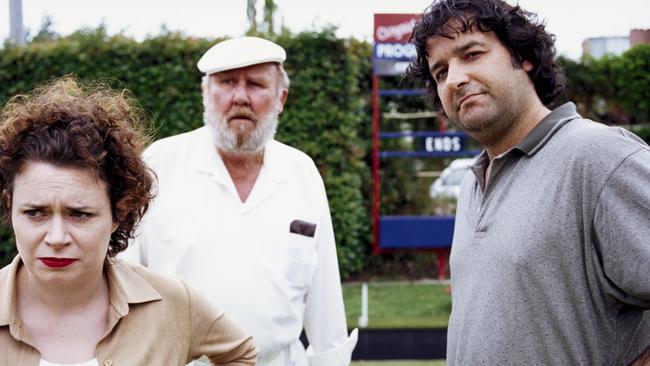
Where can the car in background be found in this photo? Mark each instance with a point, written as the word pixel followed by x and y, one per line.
pixel 448 184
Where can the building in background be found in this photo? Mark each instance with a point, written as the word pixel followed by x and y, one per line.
pixel 16 28
pixel 639 36
pixel 597 47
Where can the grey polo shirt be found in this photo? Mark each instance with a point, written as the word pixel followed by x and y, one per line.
pixel 550 264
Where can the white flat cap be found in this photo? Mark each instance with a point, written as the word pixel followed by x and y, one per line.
pixel 240 52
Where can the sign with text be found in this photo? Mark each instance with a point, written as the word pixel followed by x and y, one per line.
pixel 394 28
pixel 452 143
pixel 392 50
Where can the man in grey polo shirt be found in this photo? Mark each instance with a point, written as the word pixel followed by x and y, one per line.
pixel 550 263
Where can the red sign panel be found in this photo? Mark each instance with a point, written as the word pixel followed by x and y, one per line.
pixel 394 28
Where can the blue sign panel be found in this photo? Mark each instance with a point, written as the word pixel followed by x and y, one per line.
pixel 410 232
pixel 389 67
pixel 394 51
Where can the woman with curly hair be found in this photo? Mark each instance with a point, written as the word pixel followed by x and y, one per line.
pixel 73 189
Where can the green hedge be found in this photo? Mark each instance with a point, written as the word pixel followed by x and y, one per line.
pixel 322 115
pixel 612 89
pixel 328 114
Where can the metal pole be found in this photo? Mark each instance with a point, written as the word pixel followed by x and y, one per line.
pixel 363 319
pixel 16 30
pixel 375 162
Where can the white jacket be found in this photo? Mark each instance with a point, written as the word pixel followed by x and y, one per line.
pixel 242 256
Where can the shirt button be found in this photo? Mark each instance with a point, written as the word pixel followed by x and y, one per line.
pixel 108 363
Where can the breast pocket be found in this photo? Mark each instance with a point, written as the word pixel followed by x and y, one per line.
pixel 301 259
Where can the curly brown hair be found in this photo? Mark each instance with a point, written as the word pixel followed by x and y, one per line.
pixel 518 30
pixel 70 124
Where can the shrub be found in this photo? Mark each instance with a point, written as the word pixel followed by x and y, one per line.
pixel 322 115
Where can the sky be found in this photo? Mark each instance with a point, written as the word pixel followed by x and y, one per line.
pixel 570 20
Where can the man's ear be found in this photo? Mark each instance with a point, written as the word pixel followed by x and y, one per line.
pixel 527 65
pixel 283 98
pixel 205 86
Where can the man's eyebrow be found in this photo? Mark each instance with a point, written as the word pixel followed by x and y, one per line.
pixel 222 75
pixel 458 50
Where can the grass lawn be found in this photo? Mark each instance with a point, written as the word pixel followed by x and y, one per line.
pixel 399 305
pixel 400 363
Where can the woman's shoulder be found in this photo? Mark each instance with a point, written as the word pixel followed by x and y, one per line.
pixel 138 282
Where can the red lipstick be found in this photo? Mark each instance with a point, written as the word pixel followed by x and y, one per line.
pixel 57 262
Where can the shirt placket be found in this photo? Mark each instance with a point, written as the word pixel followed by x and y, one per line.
pixel 484 197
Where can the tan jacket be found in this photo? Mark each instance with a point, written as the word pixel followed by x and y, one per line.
pixel 152 320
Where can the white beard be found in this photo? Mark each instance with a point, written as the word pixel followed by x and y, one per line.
pixel 229 140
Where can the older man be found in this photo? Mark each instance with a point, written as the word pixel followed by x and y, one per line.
pixel 244 218
pixel 550 263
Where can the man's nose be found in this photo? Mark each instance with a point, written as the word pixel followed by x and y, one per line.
pixel 457 76
pixel 57 234
pixel 240 94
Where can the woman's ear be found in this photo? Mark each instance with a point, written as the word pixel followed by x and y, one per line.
pixel 121 212
pixel 6 200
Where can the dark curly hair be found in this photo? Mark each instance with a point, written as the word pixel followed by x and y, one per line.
pixel 69 124
pixel 518 30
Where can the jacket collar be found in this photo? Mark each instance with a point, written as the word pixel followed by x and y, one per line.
pixel 205 159
pixel 8 291
pixel 125 287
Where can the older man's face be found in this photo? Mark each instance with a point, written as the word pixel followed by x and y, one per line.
pixel 243 105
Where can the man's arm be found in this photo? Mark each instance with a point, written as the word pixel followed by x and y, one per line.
pixel 325 322
pixel 622 229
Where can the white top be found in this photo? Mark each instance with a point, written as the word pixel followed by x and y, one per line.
pixel 242 255
pixel 92 362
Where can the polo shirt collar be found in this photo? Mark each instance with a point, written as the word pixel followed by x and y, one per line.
pixel 534 141
pixel 546 128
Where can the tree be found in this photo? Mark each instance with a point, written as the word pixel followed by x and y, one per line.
pixel 46 33
pixel 251 13
pixel 269 10
pixel 632 81
pixel 267 25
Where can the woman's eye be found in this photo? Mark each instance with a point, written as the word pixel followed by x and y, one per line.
pixel 79 214
pixel 33 213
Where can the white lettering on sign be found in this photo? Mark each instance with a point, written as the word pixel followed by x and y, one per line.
pixel 399 68
pixel 397 31
pixel 395 50
pixel 442 144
